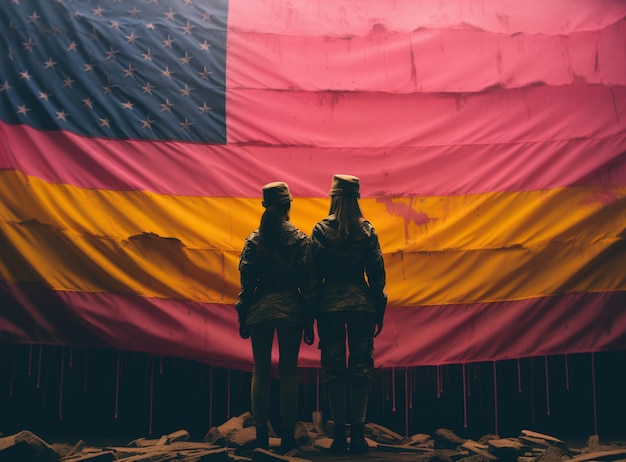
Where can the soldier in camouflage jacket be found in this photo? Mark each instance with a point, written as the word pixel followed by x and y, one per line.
pixel 351 299
pixel 276 293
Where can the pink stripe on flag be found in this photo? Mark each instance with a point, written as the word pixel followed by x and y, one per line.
pixel 358 17
pixel 365 120
pixel 426 60
pixel 412 335
pixel 163 167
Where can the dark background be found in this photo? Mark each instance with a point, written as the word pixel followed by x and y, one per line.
pixel 56 391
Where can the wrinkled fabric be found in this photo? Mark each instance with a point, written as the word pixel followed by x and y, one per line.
pixel 490 138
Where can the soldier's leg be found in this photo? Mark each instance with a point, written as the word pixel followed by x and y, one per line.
pixel 332 332
pixel 262 337
pixel 289 340
pixel 360 368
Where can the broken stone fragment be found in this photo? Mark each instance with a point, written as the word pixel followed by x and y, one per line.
pixel 179 435
pixel 542 439
pixel 220 434
pixel 401 448
pixel 382 434
pixel 447 439
pixel 243 438
pixel 317 418
pixel 552 454
pixel 28 447
pixel 420 439
pixel 264 455
pixel 507 448
pixel 615 454
pixel 477 448
pixel 593 443
pixel 102 456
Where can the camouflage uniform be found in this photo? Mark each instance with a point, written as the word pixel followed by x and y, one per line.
pixel 275 299
pixel 346 300
pixel 279 288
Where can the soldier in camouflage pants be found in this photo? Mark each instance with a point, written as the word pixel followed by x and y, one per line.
pixel 351 303
pixel 332 329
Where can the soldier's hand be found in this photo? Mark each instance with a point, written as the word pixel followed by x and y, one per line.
pixel 378 328
pixel 309 334
pixel 243 330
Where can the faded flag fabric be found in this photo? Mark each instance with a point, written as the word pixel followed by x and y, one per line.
pixel 489 138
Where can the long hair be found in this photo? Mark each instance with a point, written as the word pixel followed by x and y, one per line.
pixel 270 228
pixel 348 213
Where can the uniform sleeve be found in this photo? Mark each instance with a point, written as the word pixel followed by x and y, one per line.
pixel 248 278
pixel 376 276
pixel 318 260
pixel 318 256
pixel 306 279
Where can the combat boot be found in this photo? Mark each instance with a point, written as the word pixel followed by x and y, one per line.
pixel 358 445
pixel 288 440
pixel 339 444
pixel 262 438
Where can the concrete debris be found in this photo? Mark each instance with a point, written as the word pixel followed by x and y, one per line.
pixel 542 440
pixel 616 454
pixel 26 446
pixel 180 435
pixel 552 454
pixel 235 440
pixel 265 455
pixel 474 447
pixel 593 443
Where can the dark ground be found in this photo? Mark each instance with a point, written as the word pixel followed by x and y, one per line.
pixel 65 395
pixel 577 447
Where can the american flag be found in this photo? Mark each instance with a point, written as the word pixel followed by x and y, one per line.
pixel 489 137
pixel 117 69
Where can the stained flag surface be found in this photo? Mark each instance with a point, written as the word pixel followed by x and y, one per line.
pixel 489 137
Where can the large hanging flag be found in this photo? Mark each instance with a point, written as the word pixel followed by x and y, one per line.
pixel 489 136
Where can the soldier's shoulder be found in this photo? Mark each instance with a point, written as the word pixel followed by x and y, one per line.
pixel 325 223
pixel 295 233
pixel 253 237
pixel 368 227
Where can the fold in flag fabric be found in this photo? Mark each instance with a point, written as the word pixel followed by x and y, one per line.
pixel 489 137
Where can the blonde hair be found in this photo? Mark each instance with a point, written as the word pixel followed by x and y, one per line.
pixel 348 213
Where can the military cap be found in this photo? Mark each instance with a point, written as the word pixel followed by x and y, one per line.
pixel 344 185
pixel 276 193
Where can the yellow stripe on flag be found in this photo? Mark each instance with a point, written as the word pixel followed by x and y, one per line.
pixel 438 250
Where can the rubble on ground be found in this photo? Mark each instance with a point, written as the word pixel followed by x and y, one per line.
pixel 234 440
